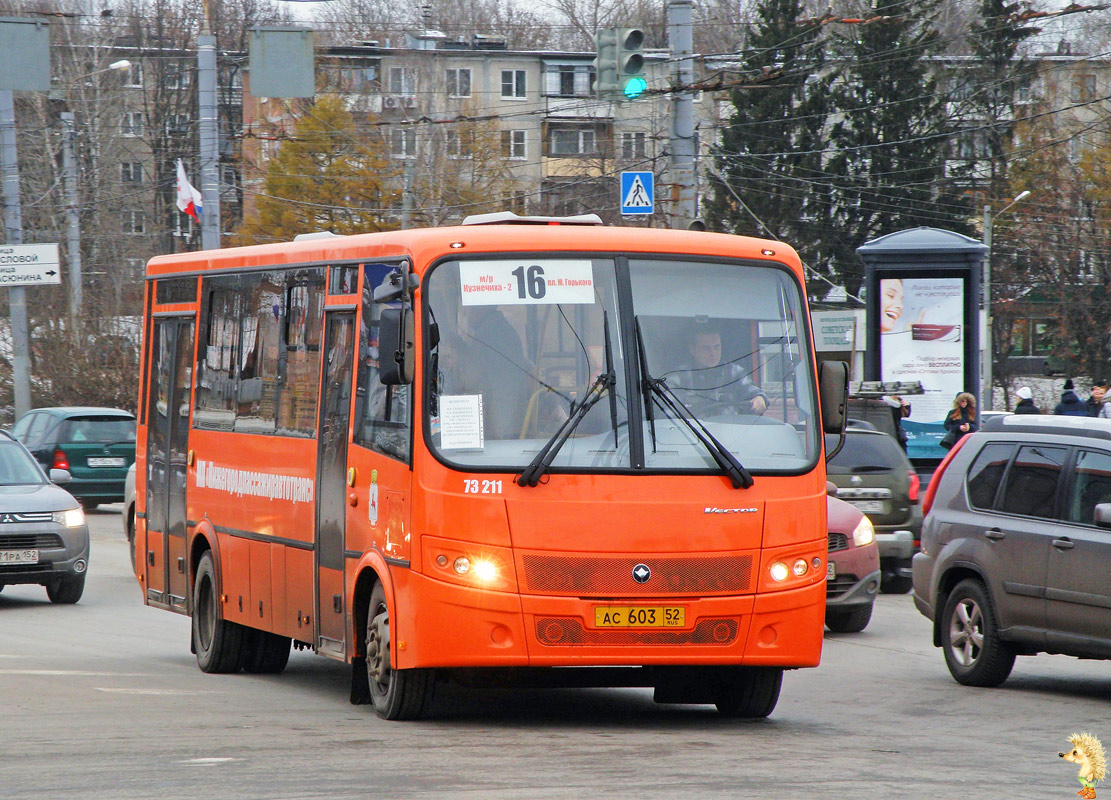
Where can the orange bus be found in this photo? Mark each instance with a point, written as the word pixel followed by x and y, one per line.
pixel 520 451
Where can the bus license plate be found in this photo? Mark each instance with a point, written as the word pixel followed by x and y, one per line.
pixel 107 462
pixel 640 616
pixel 19 556
pixel 831 571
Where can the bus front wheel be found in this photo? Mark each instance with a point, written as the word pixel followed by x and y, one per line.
pixel 748 692
pixel 396 693
pixel 216 641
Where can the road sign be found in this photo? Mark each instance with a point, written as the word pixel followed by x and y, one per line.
pixel 637 191
pixel 29 264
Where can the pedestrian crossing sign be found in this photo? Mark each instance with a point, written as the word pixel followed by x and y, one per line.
pixel 637 190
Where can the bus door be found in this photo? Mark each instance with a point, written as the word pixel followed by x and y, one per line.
pixel 331 485
pixel 167 449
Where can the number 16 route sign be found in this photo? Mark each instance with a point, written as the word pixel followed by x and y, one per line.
pixel 637 190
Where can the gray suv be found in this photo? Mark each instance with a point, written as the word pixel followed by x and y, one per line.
pixel 1016 545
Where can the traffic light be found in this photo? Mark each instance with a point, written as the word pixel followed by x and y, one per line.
pixel 630 63
pixel 605 63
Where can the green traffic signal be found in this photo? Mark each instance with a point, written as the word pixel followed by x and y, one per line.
pixel 635 87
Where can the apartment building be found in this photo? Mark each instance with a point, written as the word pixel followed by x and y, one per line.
pixel 449 108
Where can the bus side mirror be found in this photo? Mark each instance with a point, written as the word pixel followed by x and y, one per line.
pixel 833 391
pixel 396 347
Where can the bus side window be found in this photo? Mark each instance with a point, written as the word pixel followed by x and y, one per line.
pixel 383 419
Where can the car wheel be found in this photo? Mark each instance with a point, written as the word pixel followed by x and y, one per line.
pixel 895 584
pixel 89 505
pixel 218 642
pixel 748 692
pixel 848 620
pixel 396 693
pixel 66 591
pixel 974 653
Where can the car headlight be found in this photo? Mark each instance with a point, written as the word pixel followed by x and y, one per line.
pixel 74 518
pixel 864 532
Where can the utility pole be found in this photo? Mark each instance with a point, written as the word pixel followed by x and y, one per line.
pixel 684 201
pixel 986 402
pixel 73 217
pixel 13 234
pixel 209 137
pixel 407 194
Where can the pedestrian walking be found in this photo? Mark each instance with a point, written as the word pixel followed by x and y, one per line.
pixel 1070 405
pixel 1026 401
pixel 961 421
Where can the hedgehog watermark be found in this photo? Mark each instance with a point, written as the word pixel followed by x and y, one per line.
pixel 1088 752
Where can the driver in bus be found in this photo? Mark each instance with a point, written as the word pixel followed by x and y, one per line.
pixel 711 388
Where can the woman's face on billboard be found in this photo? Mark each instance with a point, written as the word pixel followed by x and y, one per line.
pixel 891 303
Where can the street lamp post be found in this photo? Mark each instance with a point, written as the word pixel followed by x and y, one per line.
pixel 986 402
pixel 73 215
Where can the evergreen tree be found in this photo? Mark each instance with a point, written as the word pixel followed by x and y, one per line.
pixel 887 171
pixel 771 149
pixel 991 84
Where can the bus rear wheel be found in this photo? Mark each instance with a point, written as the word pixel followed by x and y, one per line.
pixel 218 643
pixel 748 692
pixel 396 693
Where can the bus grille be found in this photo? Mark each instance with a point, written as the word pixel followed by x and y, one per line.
pixel 553 631
pixel 838 541
pixel 613 577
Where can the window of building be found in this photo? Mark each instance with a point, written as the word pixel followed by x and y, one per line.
pixel 458 83
pixel 131 172
pixel 1042 339
pixel 178 124
pixel 512 84
pixel 176 76
pixel 572 142
pixel 134 222
pixel 131 124
pixel 513 144
pixel 134 74
pixel 633 146
pixel 568 80
pixel 459 145
pixel 403 143
pixel 403 81
pixel 1083 88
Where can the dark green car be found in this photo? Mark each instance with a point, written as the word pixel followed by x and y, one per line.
pixel 96 446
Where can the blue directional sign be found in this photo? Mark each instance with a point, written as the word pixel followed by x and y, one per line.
pixel 637 192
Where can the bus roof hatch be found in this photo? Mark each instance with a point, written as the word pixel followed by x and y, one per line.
pixel 509 218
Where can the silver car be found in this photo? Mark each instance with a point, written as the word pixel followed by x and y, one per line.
pixel 44 537
pixel 1016 545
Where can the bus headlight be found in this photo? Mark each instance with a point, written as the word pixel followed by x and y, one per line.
pixel 779 571
pixel 864 532
pixel 481 569
pixel 74 518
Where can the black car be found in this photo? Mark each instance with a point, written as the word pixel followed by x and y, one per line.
pixel 43 535
pixel 95 445
pixel 873 473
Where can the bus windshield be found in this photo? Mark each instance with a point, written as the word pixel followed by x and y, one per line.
pixel 516 345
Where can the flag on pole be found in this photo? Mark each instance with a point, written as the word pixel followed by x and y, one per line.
pixel 188 198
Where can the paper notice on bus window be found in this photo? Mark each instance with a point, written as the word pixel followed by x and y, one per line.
pixel 526 281
pixel 461 422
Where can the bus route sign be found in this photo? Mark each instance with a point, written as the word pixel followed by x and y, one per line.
pixel 29 265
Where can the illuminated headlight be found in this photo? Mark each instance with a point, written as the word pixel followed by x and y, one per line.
pixel 74 518
pixel 779 571
pixel 485 571
pixel 864 533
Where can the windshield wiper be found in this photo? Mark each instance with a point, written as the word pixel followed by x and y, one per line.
pixel 604 383
pixel 662 393
pixel 645 382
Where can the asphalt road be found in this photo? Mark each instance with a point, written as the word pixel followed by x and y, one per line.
pixel 104 700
